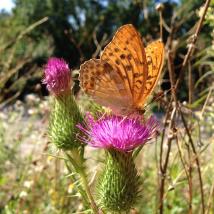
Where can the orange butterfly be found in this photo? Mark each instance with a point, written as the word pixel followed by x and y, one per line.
pixel 126 73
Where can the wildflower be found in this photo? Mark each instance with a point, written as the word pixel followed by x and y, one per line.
pixel 119 133
pixel 28 184
pixel 119 183
pixel 57 76
pixel 23 194
pixel 70 188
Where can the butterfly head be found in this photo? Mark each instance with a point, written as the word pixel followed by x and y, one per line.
pixel 140 111
pixel 132 111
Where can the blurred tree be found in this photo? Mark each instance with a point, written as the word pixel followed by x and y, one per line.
pixel 78 29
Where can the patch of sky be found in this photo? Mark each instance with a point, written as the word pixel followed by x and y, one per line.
pixel 79 20
pixel 6 5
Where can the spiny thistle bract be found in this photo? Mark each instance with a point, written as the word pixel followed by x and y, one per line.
pixel 62 125
pixel 65 113
pixel 119 184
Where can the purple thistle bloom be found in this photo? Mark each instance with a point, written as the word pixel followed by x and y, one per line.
pixel 57 76
pixel 117 132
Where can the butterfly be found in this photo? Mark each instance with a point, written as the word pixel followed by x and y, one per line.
pixel 126 73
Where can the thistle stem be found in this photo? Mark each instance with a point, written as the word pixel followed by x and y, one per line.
pixel 77 162
pixel 88 192
pixel 80 189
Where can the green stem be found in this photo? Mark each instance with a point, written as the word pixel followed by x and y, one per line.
pixel 77 162
pixel 80 190
pixel 87 189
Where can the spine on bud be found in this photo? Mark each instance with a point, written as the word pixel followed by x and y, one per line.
pixel 62 127
pixel 119 184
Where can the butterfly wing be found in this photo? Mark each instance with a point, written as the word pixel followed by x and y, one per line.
pixel 155 59
pixel 99 80
pixel 126 54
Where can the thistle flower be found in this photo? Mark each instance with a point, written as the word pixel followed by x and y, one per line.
pixel 57 76
pixel 117 132
pixel 119 183
pixel 65 113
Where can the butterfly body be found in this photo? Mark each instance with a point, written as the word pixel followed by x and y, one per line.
pixel 125 74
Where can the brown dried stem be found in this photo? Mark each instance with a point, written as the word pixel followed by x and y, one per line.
pixel 163 167
pixel 210 199
pixel 185 61
pixel 192 44
pixel 196 158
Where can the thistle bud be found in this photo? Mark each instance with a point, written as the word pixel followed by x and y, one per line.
pixel 65 113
